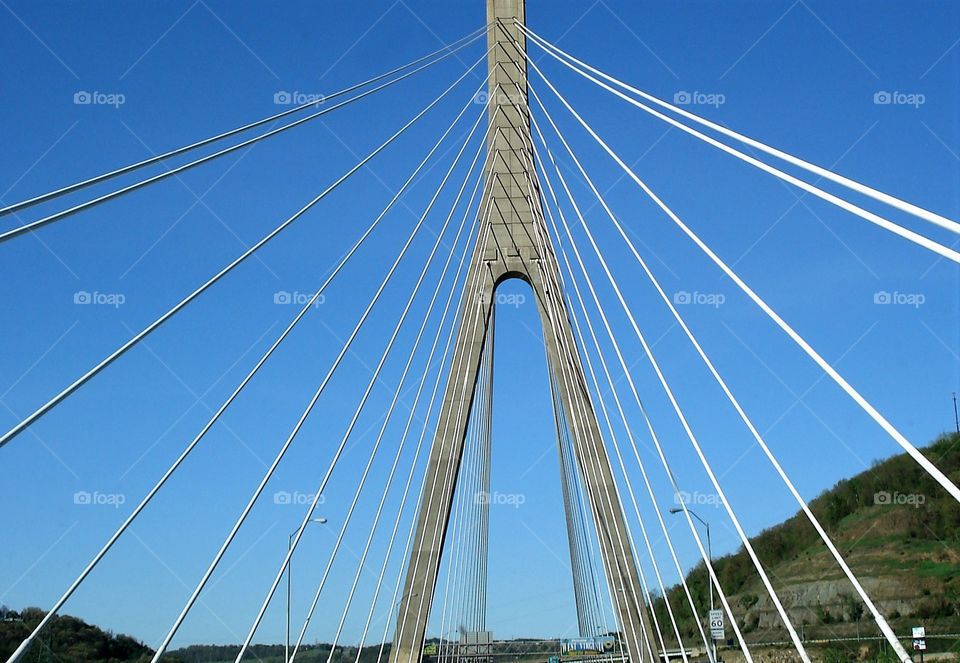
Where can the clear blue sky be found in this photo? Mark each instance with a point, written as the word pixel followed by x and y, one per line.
pixel 801 76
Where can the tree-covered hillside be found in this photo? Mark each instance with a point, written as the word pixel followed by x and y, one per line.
pixel 67 640
pixel 896 527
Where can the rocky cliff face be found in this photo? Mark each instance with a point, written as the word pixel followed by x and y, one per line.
pixel 910 580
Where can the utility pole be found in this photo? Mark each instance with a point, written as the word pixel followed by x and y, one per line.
pixel 286 645
pixel 956 416
pixel 693 513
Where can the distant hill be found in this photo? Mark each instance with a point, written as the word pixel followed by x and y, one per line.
pixel 317 653
pixel 67 640
pixel 70 640
pixel 898 530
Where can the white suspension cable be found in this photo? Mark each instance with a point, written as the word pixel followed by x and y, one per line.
pixel 876 219
pixel 587 603
pixel 626 373
pixel 452 48
pixel 484 506
pixel 458 597
pixel 429 409
pixel 581 439
pixel 43 409
pixel 881 622
pixel 466 593
pixel 467 287
pixel 483 480
pixel 643 529
pixel 57 216
pixel 893 201
pixel 653 560
pixel 391 408
pixel 449 471
pixel 867 407
pixel 369 389
pixel 469 591
pixel 633 498
pixel 400 447
pixel 454 523
pixel 579 417
pixel 794 636
pixel 457 533
pixel 573 362
pixel 280 455
pixel 542 243
pixel 453 607
pixel 361 562
pixel 568 364
pixel 26 644
pixel 575 421
pixel 466 484
pixel 623 418
pixel 533 150
pixel 474 284
pixel 595 579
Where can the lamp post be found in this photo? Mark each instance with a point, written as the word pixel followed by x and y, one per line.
pixel 710 558
pixel 286 647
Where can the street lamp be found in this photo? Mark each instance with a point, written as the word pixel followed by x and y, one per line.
pixel 710 558
pixel 286 648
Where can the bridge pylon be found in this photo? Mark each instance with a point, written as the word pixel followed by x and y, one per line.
pixel 514 243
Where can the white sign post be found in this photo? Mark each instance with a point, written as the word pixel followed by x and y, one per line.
pixel 716 625
pixel 919 640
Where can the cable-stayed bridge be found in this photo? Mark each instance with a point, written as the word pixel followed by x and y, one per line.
pixel 517 214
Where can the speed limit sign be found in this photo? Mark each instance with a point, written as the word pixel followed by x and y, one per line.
pixel 716 624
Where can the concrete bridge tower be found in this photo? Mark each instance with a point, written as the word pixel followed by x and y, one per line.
pixel 517 245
